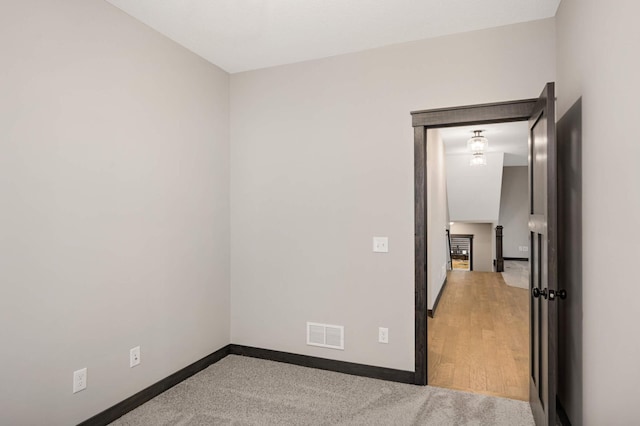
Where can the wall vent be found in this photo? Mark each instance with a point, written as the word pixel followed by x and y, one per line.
pixel 325 335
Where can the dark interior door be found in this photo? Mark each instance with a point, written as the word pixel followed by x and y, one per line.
pixel 570 265
pixel 543 258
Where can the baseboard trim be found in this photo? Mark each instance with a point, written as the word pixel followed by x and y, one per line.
pixel 120 409
pixel 521 259
pixel 432 312
pixel 363 370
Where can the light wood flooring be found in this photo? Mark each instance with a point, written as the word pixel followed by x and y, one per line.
pixel 479 338
pixel 460 264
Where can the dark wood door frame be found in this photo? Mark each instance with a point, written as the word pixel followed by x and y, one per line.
pixel 500 112
pixel 470 237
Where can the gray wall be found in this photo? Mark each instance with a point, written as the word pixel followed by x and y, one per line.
pixel 598 60
pixel 437 216
pixel 483 234
pixel 114 185
pixel 514 213
pixel 322 161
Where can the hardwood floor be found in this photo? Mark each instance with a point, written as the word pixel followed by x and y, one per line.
pixel 460 264
pixel 479 338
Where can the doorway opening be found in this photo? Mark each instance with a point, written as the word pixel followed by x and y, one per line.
pixel 478 335
pixel 510 111
pixel 461 252
pixel 542 190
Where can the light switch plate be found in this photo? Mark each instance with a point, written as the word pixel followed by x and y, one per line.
pixel 380 244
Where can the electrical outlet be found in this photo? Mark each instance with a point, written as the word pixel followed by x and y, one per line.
pixel 79 380
pixel 134 356
pixel 383 335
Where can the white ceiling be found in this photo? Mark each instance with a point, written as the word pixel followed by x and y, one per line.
pixel 510 138
pixel 241 35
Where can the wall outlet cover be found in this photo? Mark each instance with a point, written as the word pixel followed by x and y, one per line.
pixel 134 356
pixel 79 380
pixel 383 335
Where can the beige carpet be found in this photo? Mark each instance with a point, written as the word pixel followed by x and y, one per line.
pixel 246 391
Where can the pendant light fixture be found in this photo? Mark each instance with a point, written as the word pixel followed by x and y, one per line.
pixel 477 143
pixel 478 159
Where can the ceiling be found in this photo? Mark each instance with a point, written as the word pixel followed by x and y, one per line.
pixel 510 138
pixel 241 35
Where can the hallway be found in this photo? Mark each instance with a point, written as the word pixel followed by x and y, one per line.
pixel 479 338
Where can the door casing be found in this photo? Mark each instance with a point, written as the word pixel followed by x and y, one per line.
pixel 500 112
pixel 470 238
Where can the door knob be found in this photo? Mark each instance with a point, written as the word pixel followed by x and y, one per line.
pixel 536 292
pixel 562 294
pixel 551 294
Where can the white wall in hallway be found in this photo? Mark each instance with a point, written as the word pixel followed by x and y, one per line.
pixel 437 216
pixel 474 191
pixel 514 211
pixel 482 236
